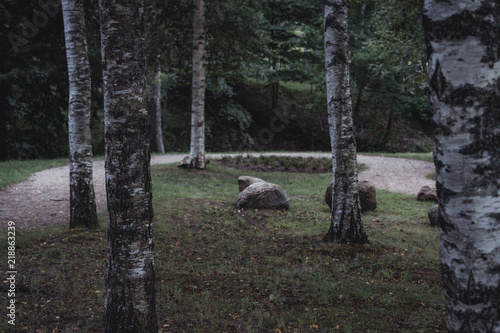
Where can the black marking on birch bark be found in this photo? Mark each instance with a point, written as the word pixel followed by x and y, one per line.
pixel 471 24
pixel 483 128
pixel 438 81
pixel 443 192
pixel 470 297
pixel 339 57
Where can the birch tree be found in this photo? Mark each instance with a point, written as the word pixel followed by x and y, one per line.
pixel 130 274
pixel 156 124
pixel 197 148
pixel 346 223
pixel 464 71
pixel 83 211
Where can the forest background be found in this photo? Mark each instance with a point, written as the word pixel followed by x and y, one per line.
pixel 265 76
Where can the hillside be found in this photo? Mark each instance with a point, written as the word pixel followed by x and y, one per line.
pixel 243 120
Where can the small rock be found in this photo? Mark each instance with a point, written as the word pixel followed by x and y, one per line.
pixel 263 195
pixel 433 215
pixel 428 193
pixel 185 163
pixel 328 196
pixel 367 196
pixel 245 181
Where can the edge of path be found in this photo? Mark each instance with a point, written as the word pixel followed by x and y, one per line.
pixel 43 199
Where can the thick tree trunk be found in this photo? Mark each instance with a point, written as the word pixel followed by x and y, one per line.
pixel 464 69
pixel 156 124
pixel 130 275
pixel 346 223
pixel 197 150
pixel 83 211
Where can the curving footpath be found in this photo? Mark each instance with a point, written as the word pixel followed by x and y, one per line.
pixel 43 199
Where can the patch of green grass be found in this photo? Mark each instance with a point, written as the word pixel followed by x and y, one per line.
pixel 223 269
pixel 412 156
pixel 15 171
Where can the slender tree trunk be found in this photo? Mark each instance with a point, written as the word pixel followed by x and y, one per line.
pixel 83 211
pixel 275 86
pixel 197 150
pixel 156 124
pixel 388 130
pixel 464 69
pixel 400 80
pixel 359 98
pixel 363 12
pixel 346 223
pixel 130 274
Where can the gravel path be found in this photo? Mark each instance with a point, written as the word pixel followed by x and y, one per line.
pixel 43 199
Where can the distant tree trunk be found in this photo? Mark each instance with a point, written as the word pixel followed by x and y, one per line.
pixel 400 80
pixel 346 223
pixel 197 150
pixel 156 125
pixel 464 69
pixel 275 82
pixel 363 11
pixel 359 98
pixel 130 275
pixel 83 211
pixel 388 130
pixel 275 86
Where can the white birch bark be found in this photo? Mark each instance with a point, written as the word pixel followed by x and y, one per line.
pixel 130 275
pixel 197 148
pixel 83 211
pixel 346 223
pixel 464 71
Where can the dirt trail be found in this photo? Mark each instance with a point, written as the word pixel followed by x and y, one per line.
pixel 43 199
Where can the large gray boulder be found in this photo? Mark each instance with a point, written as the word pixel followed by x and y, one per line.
pixel 427 193
pixel 263 195
pixel 245 181
pixel 367 196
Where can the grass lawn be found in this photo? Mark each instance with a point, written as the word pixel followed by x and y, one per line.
pixel 15 171
pixel 222 269
pixel 429 157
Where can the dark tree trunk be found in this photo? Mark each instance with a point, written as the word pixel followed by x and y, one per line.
pixel 359 98
pixel 275 86
pixel 400 80
pixel 388 130
pixel 83 211
pixel 130 274
pixel 464 71
pixel 346 223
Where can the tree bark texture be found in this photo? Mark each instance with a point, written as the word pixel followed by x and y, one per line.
pixel 464 71
pixel 130 274
pixel 156 124
pixel 197 149
pixel 346 223
pixel 83 211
